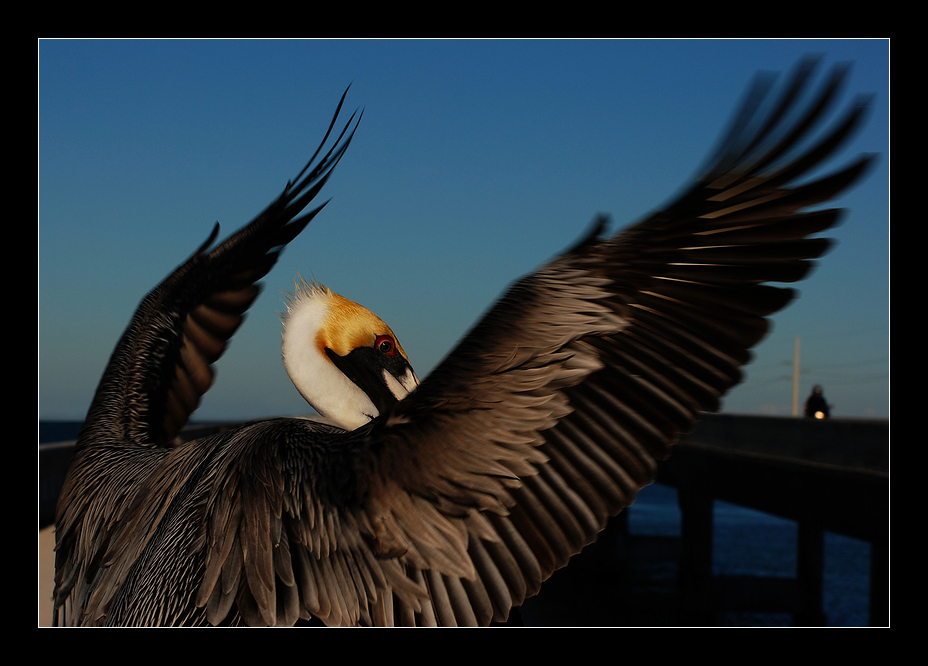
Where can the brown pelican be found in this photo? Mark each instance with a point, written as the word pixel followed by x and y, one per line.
pixel 447 502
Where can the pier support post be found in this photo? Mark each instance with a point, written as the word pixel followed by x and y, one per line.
pixel 810 575
pixel 695 572
pixel 879 580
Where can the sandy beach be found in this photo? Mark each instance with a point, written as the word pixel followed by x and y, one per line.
pixel 46 575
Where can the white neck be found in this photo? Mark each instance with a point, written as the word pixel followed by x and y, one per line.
pixel 317 319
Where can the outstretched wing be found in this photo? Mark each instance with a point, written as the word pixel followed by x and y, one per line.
pixel 154 380
pixel 161 367
pixel 553 411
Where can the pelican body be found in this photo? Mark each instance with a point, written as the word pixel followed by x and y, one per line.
pixel 450 501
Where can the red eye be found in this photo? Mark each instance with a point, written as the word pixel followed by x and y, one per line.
pixel 385 345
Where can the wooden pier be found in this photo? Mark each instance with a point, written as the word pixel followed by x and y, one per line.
pixel 830 475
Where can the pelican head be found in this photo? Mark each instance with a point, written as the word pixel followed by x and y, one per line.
pixel 342 358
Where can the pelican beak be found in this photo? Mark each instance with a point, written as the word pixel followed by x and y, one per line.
pixel 385 378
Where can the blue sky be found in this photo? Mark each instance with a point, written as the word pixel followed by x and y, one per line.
pixel 475 162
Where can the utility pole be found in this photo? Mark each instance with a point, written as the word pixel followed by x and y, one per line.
pixel 796 376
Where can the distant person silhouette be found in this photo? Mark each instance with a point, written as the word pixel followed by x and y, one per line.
pixel 816 407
